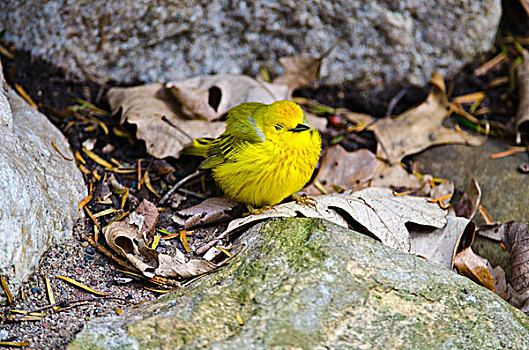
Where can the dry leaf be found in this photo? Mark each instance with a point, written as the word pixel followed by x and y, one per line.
pixel 130 239
pixel 300 71
pixel 154 111
pixel 496 232
pixel 419 128
pixel 149 213
pixel 469 202
pixel 500 282
pixel 476 268
pixel 394 176
pixel 376 209
pixel 212 96
pixel 212 210
pixel 161 112
pixel 440 245
pixel 516 237
pixel 347 170
pixel 522 115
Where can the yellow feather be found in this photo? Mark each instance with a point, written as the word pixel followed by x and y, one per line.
pixel 267 153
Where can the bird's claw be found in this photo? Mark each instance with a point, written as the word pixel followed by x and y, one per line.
pixel 258 211
pixel 305 201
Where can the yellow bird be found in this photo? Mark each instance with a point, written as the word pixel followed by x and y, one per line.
pixel 266 153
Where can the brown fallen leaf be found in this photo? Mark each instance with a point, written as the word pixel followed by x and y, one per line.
pixel 419 128
pixel 440 245
pixel 500 282
pixel 212 210
pixel 155 113
pixel 473 266
pixel 394 176
pixel 147 215
pixel 397 177
pixel 131 238
pixel 469 202
pixel 300 71
pixel 162 112
pixel 377 210
pixel 496 232
pixel 522 115
pixel 516 239
pixel 347 170
pixel 211 96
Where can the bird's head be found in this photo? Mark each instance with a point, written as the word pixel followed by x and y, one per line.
pixel 283 120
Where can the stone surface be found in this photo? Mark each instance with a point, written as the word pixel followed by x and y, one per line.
pixel 155 40
pixel 307 284
pixel 504 189
pixel 39 190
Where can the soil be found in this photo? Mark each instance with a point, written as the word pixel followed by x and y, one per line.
pixel 54 90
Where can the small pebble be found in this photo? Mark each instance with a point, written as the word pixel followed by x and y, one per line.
pixel 85 244
pixel 88 257
pixel 524 168
pixel 90 250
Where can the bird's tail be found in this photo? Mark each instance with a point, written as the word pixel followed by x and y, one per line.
pixel 198 147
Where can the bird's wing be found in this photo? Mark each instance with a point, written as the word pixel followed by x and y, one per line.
pixel 241 129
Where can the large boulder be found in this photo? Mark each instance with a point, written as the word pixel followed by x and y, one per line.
pixel 307 284
pixel 162 40
pixel 39 189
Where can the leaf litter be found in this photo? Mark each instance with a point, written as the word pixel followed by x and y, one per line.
pixel 166 124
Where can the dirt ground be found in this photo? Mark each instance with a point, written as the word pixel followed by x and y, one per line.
pixel 53 90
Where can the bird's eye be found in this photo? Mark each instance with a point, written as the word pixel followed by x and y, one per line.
pixel 278 127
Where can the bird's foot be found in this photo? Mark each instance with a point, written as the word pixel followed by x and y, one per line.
pixel 305 201
pixel 258 211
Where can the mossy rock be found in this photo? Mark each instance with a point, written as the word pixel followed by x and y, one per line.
pixel 306 284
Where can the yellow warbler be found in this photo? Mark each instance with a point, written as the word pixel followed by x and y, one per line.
pixel 266 153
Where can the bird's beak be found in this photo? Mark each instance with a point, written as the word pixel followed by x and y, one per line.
pixel 299 127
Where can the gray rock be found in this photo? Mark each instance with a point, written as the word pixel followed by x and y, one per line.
pixel 504 189
pixel 306 284
pixel 171 40
pixel 39 190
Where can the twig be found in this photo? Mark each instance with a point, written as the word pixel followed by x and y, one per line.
pixel 178 185
pixel 395 100
pixel 67 304
pixel 192 193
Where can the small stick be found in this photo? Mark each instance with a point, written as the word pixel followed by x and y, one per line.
pixel 178 185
